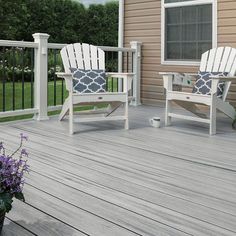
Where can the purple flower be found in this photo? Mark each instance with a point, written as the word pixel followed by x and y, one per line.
pixel 24 152
pixel 23 137
pixel 12 172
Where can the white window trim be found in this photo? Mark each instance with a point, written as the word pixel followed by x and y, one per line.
pixel 180 4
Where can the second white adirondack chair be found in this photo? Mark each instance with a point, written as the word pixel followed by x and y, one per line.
pixel 222 59
pixel 89 57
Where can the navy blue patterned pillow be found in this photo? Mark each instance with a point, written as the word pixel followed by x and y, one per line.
pixel 88 81
pixel 203 83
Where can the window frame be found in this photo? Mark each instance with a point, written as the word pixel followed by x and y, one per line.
pixel 163 35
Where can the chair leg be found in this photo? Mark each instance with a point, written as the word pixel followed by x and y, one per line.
pixel 213 117
pixel 64 109
pixel 127 124
pixel 168 109
pixel 71 115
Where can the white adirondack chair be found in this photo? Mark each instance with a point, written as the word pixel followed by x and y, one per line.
pixel 85 56
pixel 222 59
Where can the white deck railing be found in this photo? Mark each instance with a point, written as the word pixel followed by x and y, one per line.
pixel 41 47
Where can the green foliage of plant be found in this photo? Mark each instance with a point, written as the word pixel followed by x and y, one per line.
pixel 66 21
pixel 5 202
pixel 15 65
pixel 103 24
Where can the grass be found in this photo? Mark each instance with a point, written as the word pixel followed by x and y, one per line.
pixel 27 102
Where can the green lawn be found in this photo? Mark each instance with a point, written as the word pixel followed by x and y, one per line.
pixel 27 103
pixel 27 95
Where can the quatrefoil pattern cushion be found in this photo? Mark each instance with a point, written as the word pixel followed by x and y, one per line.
pixel 88 81
pixel 203 83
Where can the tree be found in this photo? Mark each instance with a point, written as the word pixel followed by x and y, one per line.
pixel 13 19
pixel 103 24
pixel 66 21
pixel 63 20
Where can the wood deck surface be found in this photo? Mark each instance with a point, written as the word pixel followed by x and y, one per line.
pixel 105 181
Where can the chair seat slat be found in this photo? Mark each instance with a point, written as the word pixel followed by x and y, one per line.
pixel 94 57
pixel 224 59
pixel 231 60
pixel 233 68
pixel 218 58
pixel 101 59
pixel 78 55
pixel 211 60
pixel 71 55
pixel 86 56
pixel 204 60
pixel 65 60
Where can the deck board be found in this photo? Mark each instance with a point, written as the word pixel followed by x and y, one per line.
pixel 12 229
pixel 145 181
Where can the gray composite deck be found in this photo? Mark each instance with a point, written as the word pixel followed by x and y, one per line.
pixel 107 181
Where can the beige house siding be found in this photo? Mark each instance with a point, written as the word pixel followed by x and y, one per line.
pixel 143 23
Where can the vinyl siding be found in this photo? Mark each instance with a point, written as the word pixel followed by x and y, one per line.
pixel 143 23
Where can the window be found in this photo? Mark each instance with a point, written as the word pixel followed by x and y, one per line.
pixel 187 29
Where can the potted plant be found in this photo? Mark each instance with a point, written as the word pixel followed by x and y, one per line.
pixel 12 172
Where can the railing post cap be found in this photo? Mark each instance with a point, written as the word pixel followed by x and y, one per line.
pixel 41 36
pixel 138 43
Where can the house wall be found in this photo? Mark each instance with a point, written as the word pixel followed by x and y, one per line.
pixel 143 23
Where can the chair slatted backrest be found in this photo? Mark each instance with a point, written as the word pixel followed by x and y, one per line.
pixel 221 59
pixel 82 56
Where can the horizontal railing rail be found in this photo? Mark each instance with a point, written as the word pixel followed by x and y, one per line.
pixel 117 49
pixel 104 48
pixel 20 44
pixel 28 75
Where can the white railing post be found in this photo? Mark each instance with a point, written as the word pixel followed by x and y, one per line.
pixel 121 41
pixel 137 70
pixel 41 76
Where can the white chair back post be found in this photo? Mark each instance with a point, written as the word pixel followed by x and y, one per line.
pixel 222 59
pixel 82 56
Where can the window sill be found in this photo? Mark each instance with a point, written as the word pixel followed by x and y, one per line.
pixel 181 63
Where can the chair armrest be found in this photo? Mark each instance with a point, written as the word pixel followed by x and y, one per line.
pixel 179 74
pixel 216 79
pixel 224 78
pixel 127 77
pixel 194 75
pixel 120 75
pixel 68 79
pixel 63 75
pixel 170 73
pixel 175 78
